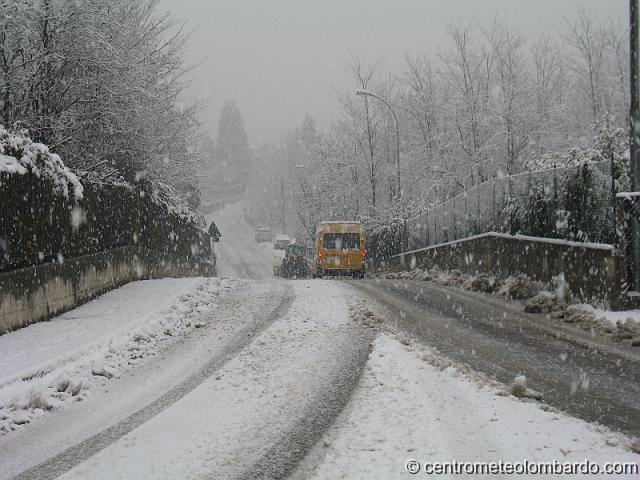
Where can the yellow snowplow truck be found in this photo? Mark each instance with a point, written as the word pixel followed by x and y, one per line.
pixel 339 249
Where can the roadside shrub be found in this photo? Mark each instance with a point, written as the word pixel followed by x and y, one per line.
pixel 48 215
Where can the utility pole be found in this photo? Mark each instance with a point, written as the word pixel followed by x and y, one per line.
pixel 284 226
pixel 634 159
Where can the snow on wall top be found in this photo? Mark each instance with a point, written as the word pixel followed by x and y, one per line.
pixel 627 195
pixel 20 155
pixel 554 241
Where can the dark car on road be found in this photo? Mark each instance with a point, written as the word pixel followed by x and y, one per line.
pixel 294 263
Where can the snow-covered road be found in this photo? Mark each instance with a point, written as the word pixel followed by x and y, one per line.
pixel 260 412
pixel 238 253
pixel 578 372
pixel 255 378
pixel 408 409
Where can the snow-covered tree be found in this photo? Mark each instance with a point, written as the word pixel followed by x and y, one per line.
pixel 102 83
pixel 232 155
pixel 493 102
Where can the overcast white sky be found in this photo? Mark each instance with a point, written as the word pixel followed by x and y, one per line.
pixel 281 59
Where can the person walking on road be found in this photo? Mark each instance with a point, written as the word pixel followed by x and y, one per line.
pixel 214 232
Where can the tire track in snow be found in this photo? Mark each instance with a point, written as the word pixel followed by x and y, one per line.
pixel 284 455
pixel 82 451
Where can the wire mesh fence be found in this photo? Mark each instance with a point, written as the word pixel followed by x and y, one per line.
pixel 573 203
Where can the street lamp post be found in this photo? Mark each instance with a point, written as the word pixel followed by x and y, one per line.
pixel 367 93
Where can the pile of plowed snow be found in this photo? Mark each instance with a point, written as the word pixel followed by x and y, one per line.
pixel 550 299
pixel 48 363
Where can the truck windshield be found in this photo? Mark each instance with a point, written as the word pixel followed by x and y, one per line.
pixel 341 240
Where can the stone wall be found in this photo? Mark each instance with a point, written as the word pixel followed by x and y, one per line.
pixel 34 294
pixel 592 272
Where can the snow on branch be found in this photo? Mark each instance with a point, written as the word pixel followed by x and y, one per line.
pixel 19 155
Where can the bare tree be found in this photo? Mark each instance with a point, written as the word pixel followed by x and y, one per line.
pixel 617 41
pixel 468 69
pixel 585 36
pixel 365 117
pixel 548 76
pixel 512 77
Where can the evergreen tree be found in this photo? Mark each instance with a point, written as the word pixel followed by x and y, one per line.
pixel 232 155
pixel 580 201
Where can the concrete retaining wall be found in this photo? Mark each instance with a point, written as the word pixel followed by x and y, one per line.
pixel 34 294
pixel 593 272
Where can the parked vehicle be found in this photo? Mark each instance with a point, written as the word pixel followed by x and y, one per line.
pixel 281 242
pixel 263 234
pixel 294 263
pixel 339 249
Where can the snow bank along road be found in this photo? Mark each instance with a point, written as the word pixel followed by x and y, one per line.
pixel 599 383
